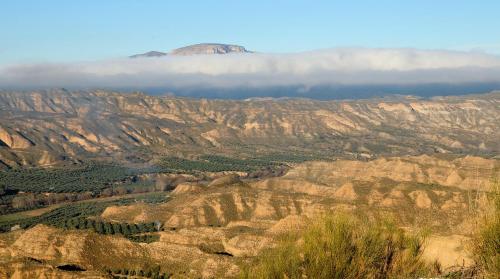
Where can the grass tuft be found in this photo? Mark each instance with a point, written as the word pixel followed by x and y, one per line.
pixel 485 243
pixel 342 246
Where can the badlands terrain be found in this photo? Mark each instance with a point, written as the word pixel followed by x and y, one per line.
pixel 48 127
pixel 103 184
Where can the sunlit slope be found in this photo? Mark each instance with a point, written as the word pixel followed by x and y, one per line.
pixel 41 128
pixel 215 225
pixel 437 189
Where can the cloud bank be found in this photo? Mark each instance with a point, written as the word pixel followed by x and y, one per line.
pixel 339 66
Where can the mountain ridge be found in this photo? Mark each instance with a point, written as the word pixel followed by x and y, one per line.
pixel 197 49
pixel 43 128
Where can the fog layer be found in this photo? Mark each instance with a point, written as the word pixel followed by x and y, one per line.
pixel 339 66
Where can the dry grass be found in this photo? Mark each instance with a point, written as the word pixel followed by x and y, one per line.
pixel 342 246
pixel 485 244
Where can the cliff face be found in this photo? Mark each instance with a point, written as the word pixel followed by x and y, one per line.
pixel 45 127
pixel 197 49
pixel 208 49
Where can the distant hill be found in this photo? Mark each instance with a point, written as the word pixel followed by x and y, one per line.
pixel 209 49
pixel 197 49
pixel 149 54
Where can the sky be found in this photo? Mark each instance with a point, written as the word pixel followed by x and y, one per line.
pixel 298 44
pixel 67 31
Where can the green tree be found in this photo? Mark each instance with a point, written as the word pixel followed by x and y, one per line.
pixel 99 227
pixel 134 229
pixel 116 228
pixel 81 223
pixel 125 228
pixel 108 229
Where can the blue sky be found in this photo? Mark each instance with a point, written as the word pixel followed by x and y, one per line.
pixel 62 31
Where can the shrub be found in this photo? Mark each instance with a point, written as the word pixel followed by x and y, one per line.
pixel 343 247
pixel 99 227
pixel 485 244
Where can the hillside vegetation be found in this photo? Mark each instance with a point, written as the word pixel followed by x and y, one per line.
pixel 343 247
pixel 485 244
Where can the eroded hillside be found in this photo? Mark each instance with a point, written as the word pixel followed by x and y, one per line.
pixel 217 224
pixel 136 186
pixel 43 128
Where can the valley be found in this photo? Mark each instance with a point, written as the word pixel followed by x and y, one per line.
pixel 99 184
pixel 249 139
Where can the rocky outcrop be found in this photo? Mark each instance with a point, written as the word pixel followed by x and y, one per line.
pixel 51 248
pixel 13 139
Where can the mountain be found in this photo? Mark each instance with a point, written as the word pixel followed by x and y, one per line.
pixel 197 49
pixel 47 127
pixel 149 54
pixel 209 49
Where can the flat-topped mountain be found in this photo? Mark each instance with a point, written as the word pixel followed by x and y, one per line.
pixel 197 49
pixel 209 49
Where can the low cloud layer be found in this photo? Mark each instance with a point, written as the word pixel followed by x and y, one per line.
pixel 344 66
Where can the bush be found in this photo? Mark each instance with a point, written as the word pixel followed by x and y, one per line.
pixel 343 247
pixel 485 242
pixel 144 238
